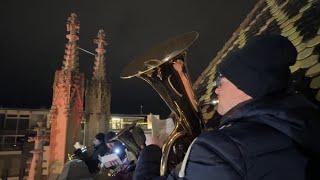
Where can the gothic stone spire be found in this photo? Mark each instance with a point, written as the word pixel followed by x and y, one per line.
pixel 98 94
pixel 99 65
pixel 71 59
pixel 67 103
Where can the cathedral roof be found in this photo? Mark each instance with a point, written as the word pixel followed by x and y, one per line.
pixel 299 21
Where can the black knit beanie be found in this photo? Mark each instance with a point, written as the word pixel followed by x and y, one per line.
pixel 100 137
pixel 261 67
pixel 109 135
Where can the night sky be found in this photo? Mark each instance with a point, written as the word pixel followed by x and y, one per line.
pixel 32 39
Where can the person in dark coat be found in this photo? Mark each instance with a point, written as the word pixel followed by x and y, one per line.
pixel 266 131
pixel 100 149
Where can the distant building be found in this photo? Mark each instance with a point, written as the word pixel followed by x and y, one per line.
pixel 16 125
pixel 121 121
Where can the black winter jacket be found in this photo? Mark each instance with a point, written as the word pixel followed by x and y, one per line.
pixel 274 138
pixel 93 161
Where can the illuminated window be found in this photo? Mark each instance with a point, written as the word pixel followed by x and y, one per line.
pixel 116 123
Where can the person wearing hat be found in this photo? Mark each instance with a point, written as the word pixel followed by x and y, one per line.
pixel 100 149
pixel 99 146
pixel 114 145
pixel 266 131
pixel 109 135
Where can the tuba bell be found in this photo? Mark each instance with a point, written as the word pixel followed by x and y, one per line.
pixel 164 68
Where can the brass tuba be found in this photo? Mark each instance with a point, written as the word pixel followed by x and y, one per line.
pixel 164 68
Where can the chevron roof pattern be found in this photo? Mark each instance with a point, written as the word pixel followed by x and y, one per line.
pixel 299 20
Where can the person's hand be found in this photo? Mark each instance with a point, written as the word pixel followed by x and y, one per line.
pixel 112 163
pixel 155 140
pixel 178 65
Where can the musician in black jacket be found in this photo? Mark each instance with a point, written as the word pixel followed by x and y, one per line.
pixel 100 149
pixel 265 132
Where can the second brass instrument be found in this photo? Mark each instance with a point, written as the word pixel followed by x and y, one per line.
pixel 125 137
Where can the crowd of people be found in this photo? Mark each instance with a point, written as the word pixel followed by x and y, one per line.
pixel 110 158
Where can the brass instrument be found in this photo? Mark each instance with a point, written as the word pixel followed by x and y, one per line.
pixel 164 68
pixel 125 137
pixel 71 156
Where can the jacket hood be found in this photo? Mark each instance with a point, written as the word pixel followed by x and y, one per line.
pixel 292 115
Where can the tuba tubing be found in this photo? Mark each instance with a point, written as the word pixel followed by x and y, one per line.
pixel 164 68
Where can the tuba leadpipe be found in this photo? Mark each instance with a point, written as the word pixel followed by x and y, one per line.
pixel 164 68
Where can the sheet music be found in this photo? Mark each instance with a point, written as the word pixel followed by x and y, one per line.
pixel 110 160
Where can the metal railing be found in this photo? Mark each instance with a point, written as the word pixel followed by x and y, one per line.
pixel 11 142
